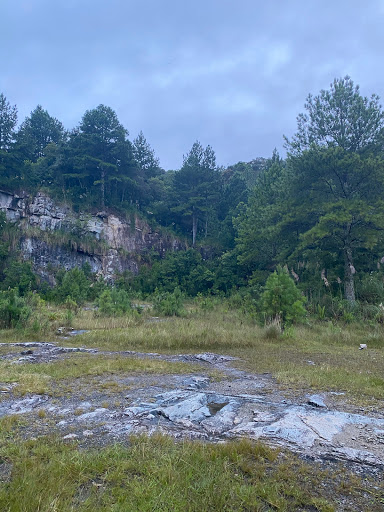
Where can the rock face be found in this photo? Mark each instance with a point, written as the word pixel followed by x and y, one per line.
pixel 53 235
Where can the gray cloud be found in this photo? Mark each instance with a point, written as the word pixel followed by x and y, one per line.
pixel 233 75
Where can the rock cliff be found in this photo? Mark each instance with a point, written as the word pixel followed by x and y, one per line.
pixel 53 235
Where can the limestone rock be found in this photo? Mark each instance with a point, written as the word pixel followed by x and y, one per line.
pixel 118 242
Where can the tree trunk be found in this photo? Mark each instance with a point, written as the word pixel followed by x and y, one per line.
pixel 194 228
pixel 349 280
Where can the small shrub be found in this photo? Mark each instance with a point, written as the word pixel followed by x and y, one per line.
pixel 320 312
pixel 73 284
pixel 169 304
pixel 273 330
pixel 370 288
pixel 282 299
pixel 205 303
pixel 19 275
pixel 114 302
pixel 245 300
pixel 14 310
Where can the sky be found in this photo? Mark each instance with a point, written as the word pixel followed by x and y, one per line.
pixel 231 74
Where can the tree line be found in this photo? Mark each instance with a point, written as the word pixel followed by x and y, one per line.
pixel 318 213
pixel 96 166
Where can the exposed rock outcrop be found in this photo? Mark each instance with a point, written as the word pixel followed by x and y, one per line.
pixel 53 235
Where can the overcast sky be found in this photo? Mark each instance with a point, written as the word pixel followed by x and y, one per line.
pixel 232 74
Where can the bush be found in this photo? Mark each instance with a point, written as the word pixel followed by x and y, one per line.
pixel 14 310
pixel 73 284
pixel 114 302
pixel 205 303
pixel 244 299
pixel 168 304
pixel 370 288
pixel 19 275
pixel 272 331
pixel 281 299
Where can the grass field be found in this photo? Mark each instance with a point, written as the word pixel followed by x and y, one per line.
pixel 319 357
pixel 158 474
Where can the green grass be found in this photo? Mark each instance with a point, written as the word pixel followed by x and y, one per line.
pixel 157 474
pixel 339 364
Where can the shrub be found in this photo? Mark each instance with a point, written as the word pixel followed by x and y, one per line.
pixel 14 310
pixel 272 331
pixel 281 299
pixel 370 288
pixel 73 284
pixel 245 300
pixel 168 304
pixel 114 302
pixel 19 275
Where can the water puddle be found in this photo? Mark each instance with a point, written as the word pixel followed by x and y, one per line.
pixel 215 407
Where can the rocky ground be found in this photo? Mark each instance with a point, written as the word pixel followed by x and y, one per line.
pixel 196 406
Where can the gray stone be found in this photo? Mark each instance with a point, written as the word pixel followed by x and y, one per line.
pixel 26 405
pixel 197 382
pixel 316 401
pixel 70 436
pixel 263 416
pixel 134 411
pixel 211 358
pixel 94 415
pixel 193 408
pixel 25 359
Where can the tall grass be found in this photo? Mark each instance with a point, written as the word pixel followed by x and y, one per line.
pixel 157 474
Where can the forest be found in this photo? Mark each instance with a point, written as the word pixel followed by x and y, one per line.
pixel 306 229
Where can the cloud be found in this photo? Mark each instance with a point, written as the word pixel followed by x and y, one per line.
pixel 233 75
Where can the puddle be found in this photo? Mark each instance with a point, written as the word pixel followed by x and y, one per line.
pixel 215 407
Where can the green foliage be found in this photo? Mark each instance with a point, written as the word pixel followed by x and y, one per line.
pixel 14 310
pixel 339 117
pixel 184 269
pixel 206 303
pixel 197 185
pixel 19 275
pixel 114 302
pixel 37 132
pixel 281 299
pixel 370 288
pixel 168 304
pixel 73 284
pixel 261 242
pixel 324 207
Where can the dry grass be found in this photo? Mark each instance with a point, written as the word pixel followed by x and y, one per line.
pixel 321 357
